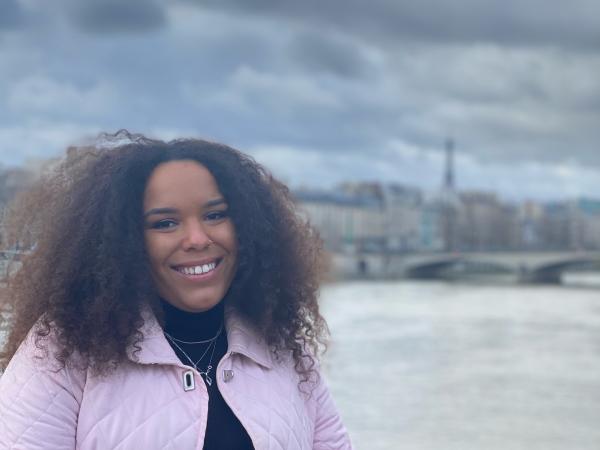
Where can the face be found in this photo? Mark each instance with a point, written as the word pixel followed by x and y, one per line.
pixel 190 239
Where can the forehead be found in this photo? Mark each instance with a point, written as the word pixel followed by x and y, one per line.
pixel 179 181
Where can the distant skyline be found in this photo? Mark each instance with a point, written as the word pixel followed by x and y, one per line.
pixel 319 92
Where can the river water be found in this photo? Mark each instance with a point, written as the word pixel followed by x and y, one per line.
pixel 435 365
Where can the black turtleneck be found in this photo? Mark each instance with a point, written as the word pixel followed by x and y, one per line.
pixel 223 429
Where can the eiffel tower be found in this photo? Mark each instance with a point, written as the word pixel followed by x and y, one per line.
pixel 449 178
pixel 450 201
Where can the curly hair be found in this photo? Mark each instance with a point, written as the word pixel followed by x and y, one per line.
pixel 87 277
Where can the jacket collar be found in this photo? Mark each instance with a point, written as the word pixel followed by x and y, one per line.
pixel 242 338
pixel 245 339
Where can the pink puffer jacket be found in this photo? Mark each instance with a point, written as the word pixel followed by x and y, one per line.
pixel 143 404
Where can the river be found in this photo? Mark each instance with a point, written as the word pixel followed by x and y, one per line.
pixel 436 365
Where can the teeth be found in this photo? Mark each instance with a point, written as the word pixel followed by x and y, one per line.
pixel 197 270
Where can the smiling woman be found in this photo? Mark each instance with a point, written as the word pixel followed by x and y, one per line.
pixel 190 240
pixel 169 300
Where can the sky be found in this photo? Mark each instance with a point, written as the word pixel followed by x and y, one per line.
pixel 319 91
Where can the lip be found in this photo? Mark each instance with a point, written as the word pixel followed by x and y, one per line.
pixel 202 276
pixel 198 262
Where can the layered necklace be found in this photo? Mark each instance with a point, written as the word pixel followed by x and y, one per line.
pixel 211 344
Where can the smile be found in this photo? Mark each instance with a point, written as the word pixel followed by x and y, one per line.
pixel 198 269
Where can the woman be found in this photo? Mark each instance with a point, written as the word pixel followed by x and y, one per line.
pixel 169 301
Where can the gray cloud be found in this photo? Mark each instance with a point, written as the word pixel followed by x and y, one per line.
pixel 320 52
pixel 109 16
pixel 321 88
pixel 11 14
pixel 511 22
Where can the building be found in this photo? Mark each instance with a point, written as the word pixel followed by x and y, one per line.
pixel 346 223
pixel 585 220
pixel 485 223
pixel 403 218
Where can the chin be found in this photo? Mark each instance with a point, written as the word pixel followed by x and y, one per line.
pixel 198 304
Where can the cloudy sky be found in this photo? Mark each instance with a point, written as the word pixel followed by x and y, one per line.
pixel 319 91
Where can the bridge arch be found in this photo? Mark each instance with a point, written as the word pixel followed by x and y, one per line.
pixel 430 270
pixel 551 273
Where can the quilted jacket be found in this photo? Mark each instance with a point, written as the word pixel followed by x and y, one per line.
pixel 143 404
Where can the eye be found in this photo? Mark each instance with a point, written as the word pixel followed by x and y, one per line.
pixel 163 224
pixel 215 216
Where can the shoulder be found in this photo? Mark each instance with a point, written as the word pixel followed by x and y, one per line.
pixel 38 395
pixel 36 354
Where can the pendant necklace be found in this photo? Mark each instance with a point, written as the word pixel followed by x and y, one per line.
pixel 212 344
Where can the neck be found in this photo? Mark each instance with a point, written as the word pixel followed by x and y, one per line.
pixel 192 326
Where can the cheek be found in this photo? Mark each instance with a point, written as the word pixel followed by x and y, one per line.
pixel 153 249
pixel 231 239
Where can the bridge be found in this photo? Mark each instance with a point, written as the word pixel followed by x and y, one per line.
pixel 527 267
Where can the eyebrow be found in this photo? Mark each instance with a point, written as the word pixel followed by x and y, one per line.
pixel 159 211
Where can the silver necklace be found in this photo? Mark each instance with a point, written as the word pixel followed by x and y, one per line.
pixel 213 344
pixel 206 341
pixel 186 355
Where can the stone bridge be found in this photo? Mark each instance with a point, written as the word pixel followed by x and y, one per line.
pixel 535 267
pixel 532 267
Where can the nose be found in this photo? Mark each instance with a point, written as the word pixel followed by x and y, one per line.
pixel 195 237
